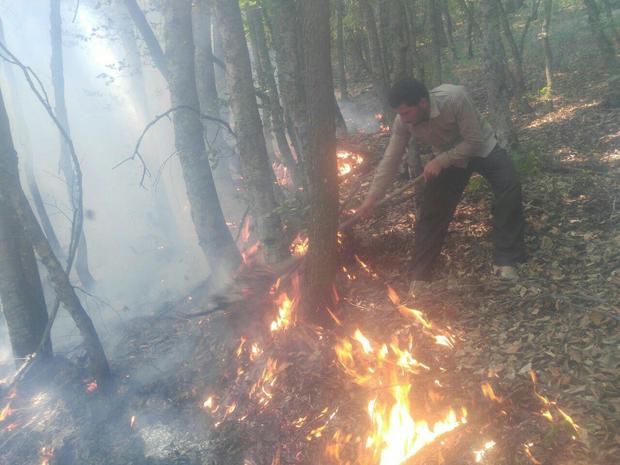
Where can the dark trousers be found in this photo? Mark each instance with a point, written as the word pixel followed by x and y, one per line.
pixel 443 193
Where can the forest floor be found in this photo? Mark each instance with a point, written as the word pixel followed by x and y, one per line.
pixel 560 320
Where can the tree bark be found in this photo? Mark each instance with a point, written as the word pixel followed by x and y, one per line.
pixel 321 260
pixel 445 10
pixel 256 171
pixel 267 82
pixel 218 149
pixel 497 88
pixel 377 62
pixel 21 294
pixel 547 47
pixel 611 22
pixel 342 74
pixel 60 110
pixel 472 26
pixel 436 42
pixel 65 292
pixel 519 77
pixel 214 236
pixel 418 62
pixel 289 53
pixel 608 53
pixel 152 44
pixel 401 62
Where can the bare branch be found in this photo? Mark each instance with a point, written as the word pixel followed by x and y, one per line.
pixel 136 151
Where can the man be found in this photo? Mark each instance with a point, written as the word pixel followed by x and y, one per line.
pixel 463 143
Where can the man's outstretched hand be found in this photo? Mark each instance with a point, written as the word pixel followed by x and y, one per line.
pixel 432 169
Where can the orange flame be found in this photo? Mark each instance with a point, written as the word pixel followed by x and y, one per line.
pixel 299 246
pixel 348 161
pixel 489 393
pixel 91 386
pixel 47 454
pixel 6 412
pixel 262 390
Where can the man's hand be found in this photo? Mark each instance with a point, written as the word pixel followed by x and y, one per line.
pixel 367 208
pixel 432 169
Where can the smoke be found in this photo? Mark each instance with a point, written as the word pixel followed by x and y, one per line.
pixel 363 114
pixel 142 247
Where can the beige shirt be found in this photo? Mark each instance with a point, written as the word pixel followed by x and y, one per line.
pixel 455 130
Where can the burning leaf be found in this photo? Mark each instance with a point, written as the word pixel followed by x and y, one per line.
pixel 6 412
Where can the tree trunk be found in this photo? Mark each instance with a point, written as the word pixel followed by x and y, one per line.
pixel 60 110
pixel 497 89
pixel 321 261
pixel 376 57
pixel 605 46
pixel 289 52
pixel 267 82
pixel 218 150
pixel 608 53
pixel 65 292
pixel 611 21
pixel 342 75
pixel 520 88
pixel 152 44
pixel 418 63
pixel 436 42
pixel 547 47
pixel 401 63
pixel 21 294
pixel 213 234
pixel 472 26
pixel 257 173
pixel 445 10
pixel 29 175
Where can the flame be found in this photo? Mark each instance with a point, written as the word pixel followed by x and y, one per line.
pixel 550 403
pixel 365 267
pixel 285 313
pixel 282 176
pixel 396 435
pixel 526 448
pixel 299 246
pixel 255 351
pixel 245 230
pixel 91 386
pixel 6 412
pixel 489 393
pixel 47 454
pixel 410 312
pixel 348 161
pixel 262 390
pixel 248 253
pixel 479 454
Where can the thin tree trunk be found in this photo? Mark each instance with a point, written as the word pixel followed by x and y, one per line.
pixel 267 82
pixel 611 21
pixel 60 281
pixel 60 110
pixel 472 26
pixel 436 42
pixel 289 53
pixel 547 46
pixel 29 175
pixel 608 53
pixel 497 89
pixel 532 17
pixel 376 57
pixel 257 172
pixel 213 234
pixel 342 75
pixel 152 44
pixel 400 41
pixel 219 151
pixel 21 294
pixel 519 76
pixel 418 63
pixel 321 261
pixel 445 9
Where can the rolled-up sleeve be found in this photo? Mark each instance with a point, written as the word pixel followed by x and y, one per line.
pixel 391 159
pixel 471 130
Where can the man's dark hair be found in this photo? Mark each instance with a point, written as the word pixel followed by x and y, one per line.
pixel 407 91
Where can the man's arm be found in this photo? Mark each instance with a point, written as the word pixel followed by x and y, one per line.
pixel 391 159
pixel 471 129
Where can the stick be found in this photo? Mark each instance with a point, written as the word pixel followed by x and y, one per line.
pixel 356 217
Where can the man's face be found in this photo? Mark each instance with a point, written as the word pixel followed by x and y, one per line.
pixel 414 114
